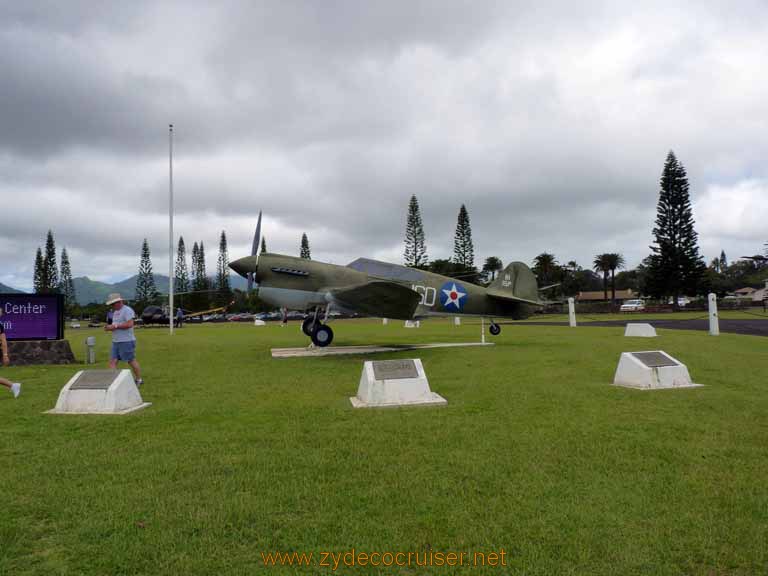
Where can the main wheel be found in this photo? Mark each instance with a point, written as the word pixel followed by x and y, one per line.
pixel 306 326
pixel 322 336
pixel 495 329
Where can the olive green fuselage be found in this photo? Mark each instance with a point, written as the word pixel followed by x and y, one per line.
pixel 300 284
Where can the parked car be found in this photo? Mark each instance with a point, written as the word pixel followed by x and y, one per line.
pixel 632 306
pixel 682 301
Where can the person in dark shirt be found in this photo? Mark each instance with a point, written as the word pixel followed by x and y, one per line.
pixel 14 387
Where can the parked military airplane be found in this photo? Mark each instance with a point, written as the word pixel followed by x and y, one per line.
pixel 383 290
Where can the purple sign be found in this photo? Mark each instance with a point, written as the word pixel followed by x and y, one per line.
pixel 32 316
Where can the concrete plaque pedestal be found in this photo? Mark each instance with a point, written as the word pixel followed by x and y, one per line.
pixel 640 330
pixel 395 383
pixel 100 392
pixel 652 370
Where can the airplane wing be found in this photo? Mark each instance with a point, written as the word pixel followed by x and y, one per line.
pixel 378 298
pixel 507 295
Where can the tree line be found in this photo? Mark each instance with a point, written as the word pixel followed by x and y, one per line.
pixel 48 278
pixel 673 268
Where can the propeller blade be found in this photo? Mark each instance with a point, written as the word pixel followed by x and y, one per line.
pixel 256 237
pixel 255 251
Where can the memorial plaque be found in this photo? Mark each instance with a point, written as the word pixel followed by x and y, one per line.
pixel 395 369
pixel 95 380
pixel 654 359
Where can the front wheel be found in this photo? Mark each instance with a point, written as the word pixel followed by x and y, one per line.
pixel 495 329
pixel 322 336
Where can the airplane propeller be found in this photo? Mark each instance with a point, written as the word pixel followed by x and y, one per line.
pixel 255 252
pixel 248 265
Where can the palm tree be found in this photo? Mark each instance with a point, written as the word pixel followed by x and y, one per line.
pixel 545 267
pixel 492 264
pixel 602 263
pixel 614 261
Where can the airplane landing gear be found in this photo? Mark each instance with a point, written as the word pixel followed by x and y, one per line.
pixel 322 335
pixel 495 329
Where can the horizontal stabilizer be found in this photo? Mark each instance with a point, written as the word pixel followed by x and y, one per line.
pixel 378 298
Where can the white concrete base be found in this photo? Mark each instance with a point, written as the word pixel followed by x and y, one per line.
pixel 257 322
pixel 372 393
pixel 351 350
pixel 633 373
pixel 412 324
pixel 120 397
pixel 640 330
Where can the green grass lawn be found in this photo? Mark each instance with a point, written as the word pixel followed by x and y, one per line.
pixel 535 454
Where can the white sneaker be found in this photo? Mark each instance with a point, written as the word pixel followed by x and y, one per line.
pixel 16 389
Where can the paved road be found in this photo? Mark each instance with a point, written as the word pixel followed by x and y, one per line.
pixel 753 327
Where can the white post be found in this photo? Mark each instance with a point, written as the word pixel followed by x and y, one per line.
pixel 571 313
pixel 171 311
pixel 714 323
pixel 384 321
pixel 456 321
pixel 482 328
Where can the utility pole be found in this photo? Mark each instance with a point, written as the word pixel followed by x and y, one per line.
pixel 171 311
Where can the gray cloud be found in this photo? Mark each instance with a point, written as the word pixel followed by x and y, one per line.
pixel 550 121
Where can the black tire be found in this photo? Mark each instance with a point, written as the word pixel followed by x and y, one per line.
pixel 306 326
pixel 495 329
pixel 322 336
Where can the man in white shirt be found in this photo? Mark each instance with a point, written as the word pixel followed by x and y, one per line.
pixel 123 339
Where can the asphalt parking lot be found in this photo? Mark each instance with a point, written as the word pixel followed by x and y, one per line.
pixel 751 327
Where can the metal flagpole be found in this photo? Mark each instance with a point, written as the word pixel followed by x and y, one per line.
pixel 171 312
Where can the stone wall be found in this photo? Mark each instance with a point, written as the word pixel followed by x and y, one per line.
pixel 29 352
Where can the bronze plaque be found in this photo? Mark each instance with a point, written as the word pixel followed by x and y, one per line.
pixel 95 380
pixel 395 369
pixel 654 359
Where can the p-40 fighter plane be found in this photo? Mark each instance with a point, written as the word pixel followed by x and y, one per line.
pixel 382 290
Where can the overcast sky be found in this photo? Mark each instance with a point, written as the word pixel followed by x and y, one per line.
pixel 550 120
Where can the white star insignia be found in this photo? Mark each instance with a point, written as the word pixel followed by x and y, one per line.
pixel 454 296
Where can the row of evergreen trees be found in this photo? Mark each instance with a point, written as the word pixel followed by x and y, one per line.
pixel 463 262
pixel 48 278
pixel 195 287
pixel 674 267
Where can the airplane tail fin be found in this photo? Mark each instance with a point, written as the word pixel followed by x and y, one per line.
pixel 516 282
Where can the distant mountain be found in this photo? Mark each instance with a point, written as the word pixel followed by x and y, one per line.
pixel 87 290
pixel 8 290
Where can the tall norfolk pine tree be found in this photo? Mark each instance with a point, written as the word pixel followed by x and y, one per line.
pixel 181 274
pixel 676 267
pixel 38 279
pixel 146 291
pixel 415 246
pixel 304 250
pixel 50 269
pixel 222 271
pixel 66 284
pixel 463 249
pixel 200 284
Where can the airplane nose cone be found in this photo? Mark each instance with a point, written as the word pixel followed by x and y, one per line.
pixel 243 266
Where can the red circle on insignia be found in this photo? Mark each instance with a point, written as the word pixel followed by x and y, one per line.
pixel 454 295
